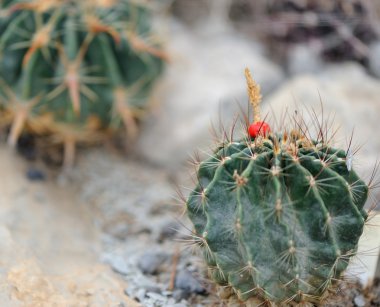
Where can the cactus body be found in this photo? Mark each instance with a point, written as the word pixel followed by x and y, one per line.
pixel 75 69
pixel 278 215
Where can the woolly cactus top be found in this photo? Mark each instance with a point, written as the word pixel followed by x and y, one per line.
pixel 277 215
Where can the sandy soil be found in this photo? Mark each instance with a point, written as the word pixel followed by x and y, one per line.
pixel 49 245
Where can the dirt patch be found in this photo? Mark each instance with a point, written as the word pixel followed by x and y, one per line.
pixel 49 245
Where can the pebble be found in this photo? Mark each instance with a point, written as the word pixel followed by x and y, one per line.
pixel 190 12
pixel 117 263
pixel 145 282
pixel 374 59
pixel 119 231
pixel 153 289
pixel 168 231
pixel 304 59
pixel 359 301
pixel 187 282
pixel 156 296
pixel 140 294
pixel 179 294
pixel 150 262
pixel 34 174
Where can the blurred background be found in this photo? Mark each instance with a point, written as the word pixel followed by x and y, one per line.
pixel 64 232
pixel 296 50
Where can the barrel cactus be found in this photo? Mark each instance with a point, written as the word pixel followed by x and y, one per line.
pixel 278 215
pixel 76 70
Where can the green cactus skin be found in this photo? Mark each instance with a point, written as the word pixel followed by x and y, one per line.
pixel 75 69
pixel 278 217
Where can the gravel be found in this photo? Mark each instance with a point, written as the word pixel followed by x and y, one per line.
pixel 133 194
pixel 34 174
pixel 187 282
pixel 150 262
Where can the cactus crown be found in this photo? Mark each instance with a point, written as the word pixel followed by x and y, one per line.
pixel 279 215
pixel 72 69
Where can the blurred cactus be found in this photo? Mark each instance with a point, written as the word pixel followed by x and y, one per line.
pixel 76 70
pixel 278 215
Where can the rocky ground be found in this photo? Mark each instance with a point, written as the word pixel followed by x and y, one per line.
pixel 112 233
pixel 49 245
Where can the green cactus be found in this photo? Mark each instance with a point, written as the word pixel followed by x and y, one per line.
pixel 277 215
pixel 76 70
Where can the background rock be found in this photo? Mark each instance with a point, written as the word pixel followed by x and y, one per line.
pixel 198 84
pixel 303 59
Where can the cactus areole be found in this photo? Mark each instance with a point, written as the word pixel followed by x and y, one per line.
pixel 75 69
pixel 277 216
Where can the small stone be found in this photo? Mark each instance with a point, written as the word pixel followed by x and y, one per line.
pixel 190 12
pixel 150 262
pixel 140 294
pixel 34 174
pixel 179 294
pixel 167 293
pixel 168 231
pixel 142 281
pixel 304 59
pixel 359 301
pixel 117 263
pixel 187 282
pixel 119 231
pixel 153 289
pixel 155 296
pixel 374 59
pixel 171 302
pixel 26 146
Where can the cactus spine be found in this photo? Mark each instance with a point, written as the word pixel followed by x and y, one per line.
pixel 277 215
pixel 74 70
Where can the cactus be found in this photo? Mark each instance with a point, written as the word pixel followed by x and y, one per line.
pixel 277 215
pixel 76 70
